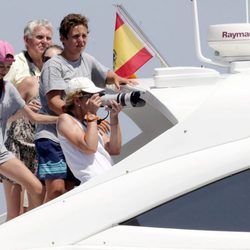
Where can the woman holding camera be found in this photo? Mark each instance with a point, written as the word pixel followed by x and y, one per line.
pixel 87 150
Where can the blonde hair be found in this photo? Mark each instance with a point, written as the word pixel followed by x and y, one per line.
pixel 69 100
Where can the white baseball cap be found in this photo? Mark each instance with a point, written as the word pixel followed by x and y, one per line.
pixel 82 83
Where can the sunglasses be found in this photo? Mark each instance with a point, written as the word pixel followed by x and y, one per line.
pixel 87 95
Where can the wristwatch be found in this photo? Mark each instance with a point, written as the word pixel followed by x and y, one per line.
pixel 91 117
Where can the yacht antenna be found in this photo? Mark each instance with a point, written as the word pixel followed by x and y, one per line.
pixel 247 11
pixel 197 40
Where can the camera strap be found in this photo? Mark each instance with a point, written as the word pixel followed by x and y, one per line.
pixel 102 119
pixel 98 121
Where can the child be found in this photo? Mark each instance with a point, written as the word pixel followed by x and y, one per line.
pixel 11 103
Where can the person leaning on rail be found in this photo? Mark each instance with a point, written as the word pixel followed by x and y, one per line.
pixel 86 148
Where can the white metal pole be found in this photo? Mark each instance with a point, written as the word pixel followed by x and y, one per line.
pixel 197 39
pixel 247 11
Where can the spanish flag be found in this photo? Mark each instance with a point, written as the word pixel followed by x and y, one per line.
pixel 130 52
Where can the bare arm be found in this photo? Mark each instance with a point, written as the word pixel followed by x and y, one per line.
pixel 28 88
pixel 55 101
pixel 86 142
pixel 113 78
pixel 38 118
pixel 113 146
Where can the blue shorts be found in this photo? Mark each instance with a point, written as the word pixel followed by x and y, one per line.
pixel 51 162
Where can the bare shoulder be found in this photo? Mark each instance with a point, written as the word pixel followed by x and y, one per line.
pixel 69 127
pixel 64 120
pixel 65 116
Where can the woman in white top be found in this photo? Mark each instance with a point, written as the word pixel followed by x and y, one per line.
pixel 87 150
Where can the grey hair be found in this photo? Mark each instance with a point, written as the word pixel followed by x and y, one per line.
pixel 31 25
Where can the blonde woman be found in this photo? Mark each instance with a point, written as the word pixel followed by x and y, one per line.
pixel 87 150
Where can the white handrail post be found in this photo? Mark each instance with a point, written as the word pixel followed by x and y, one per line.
pixel 197 39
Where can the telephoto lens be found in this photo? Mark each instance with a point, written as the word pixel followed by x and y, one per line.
pixel 132 99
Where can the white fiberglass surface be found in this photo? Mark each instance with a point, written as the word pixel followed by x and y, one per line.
pixel 128 236
pixel 94 207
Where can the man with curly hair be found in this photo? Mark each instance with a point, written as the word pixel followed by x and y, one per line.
pixel 56 74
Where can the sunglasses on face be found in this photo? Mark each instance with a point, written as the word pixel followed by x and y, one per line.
pixel 87 96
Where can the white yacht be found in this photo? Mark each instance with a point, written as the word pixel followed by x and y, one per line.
pixel 182 183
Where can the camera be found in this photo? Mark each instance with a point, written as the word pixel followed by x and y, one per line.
pixel 131 99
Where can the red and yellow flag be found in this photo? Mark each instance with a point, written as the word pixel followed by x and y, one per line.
pixel 130 53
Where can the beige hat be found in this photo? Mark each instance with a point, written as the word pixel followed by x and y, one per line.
pixel 82 83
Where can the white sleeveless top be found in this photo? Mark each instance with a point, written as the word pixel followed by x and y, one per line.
pixel 85 166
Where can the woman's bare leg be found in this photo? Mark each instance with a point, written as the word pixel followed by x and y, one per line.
pixel 28 208
pixel 14 169
pixel 13 198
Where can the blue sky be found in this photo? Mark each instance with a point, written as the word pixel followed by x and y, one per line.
pixel 167 23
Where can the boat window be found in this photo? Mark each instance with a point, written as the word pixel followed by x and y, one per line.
pixel 222 205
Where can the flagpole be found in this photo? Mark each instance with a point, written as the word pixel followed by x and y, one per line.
pixel 140 33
